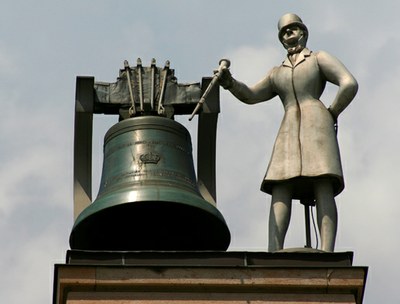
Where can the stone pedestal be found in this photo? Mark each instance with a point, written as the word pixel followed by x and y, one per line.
pixel 208 277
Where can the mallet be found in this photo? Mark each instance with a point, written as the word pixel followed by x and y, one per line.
pixel 223 64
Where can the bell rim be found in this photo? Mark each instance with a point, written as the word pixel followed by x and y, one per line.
pixel 188 199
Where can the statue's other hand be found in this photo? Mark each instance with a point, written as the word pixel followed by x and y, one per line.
pixel 225 78
pixel 334 116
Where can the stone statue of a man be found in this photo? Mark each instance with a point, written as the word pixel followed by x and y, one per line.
pixel 305 162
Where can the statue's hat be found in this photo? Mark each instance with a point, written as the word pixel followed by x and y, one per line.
pixel 287 20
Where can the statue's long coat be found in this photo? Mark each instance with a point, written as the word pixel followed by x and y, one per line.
pixel 306 146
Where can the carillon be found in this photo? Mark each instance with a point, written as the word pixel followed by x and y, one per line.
pixel 150 197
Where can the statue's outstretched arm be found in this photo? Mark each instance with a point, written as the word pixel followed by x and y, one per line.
pixel 261 91
pixel 336 73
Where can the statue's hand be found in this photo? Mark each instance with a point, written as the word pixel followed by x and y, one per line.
pixel 334 116
pixel 225 78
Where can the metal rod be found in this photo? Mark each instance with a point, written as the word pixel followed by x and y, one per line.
pixel 153 74
pixel 307 204
pixel 308 223
pixel 163 85
pixel 132 109
pixel 139 68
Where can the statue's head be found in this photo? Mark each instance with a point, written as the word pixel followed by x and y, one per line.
pixel 293 33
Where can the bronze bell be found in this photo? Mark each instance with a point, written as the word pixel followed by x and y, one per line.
pixel 148 197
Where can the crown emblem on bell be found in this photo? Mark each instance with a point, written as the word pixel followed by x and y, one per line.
pixel 150 158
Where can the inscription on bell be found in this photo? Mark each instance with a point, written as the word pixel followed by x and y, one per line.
pixel 150 158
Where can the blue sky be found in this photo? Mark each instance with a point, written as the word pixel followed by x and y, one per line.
pixel 45 44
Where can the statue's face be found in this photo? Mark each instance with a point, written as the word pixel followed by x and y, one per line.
pixel 293 39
